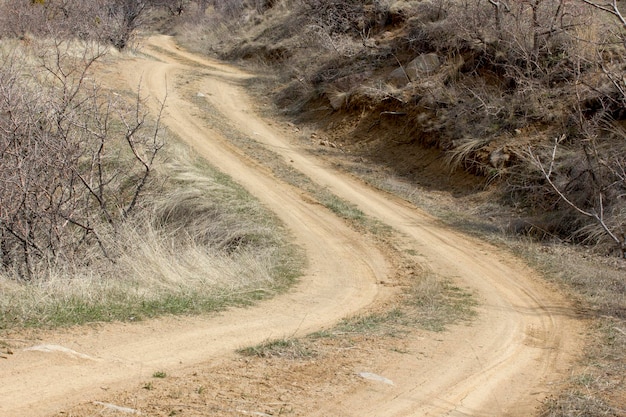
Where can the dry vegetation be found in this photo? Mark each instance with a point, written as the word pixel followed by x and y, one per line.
pixel 99 219
pixel 199 244
pixel 491 85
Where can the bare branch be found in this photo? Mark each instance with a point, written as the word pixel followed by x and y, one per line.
pixel 598 216
pixel 608 7
pixel 153 149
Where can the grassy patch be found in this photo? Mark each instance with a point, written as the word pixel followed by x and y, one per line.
pixel 284 348
pixel 434 304
pixel 373 323
pixel 351 213
pixel 342 207
pixel 429 304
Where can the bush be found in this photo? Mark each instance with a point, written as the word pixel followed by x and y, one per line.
pixel 74 158
pixel 104 21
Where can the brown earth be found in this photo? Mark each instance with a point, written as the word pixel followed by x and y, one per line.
pixel 508 360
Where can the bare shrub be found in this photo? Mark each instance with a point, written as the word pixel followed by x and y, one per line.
pixel 229 8
pixel 74 158
pixel 112 21
pixel 21 17
pixel 335 16
pixel 176 7
pixel 595 188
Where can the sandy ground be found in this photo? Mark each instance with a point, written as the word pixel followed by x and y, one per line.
pixel 505 363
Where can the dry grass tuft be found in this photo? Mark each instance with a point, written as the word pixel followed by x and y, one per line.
pixel 285 348
pixel 462 153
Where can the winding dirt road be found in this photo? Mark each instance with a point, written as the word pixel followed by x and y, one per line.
pixel 524 338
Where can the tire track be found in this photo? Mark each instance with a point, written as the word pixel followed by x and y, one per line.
pixel 505 363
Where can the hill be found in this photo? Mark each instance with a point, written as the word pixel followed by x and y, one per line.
pixel 527 97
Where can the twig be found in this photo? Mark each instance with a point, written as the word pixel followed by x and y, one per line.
pixel 593 214
pixel 393 113
pixel 193 407
pixel 611 9
pixel 620 330
pixel 402 67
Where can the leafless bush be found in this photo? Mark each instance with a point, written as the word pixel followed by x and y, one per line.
pixel 74 160
pixel 527 38
pixel 175 7
pixel 111 21
pixel 123 17
pixel 594 188
pixel 347 16
pixel 21 17
pixel 229 8
pixel 335 16
pixel 592 183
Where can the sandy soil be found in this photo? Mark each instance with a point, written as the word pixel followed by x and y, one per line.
pixel 522 342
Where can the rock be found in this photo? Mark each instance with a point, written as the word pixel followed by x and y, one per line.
pixel 117 408
pixel 327 143
pixel 60 350
pixel 499 158
pixel 350 82
pixel 399 77
pixel 424 64
pixel 374 377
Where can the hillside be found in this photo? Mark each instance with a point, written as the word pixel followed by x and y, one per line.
pixel 435 90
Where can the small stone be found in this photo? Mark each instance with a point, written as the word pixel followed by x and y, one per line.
pixel 374 377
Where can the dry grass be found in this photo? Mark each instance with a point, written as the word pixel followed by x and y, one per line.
pixel 460 156
pixel 199 245
pixel 198 242
pixel 284 348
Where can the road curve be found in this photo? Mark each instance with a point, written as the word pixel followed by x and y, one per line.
pixel 72 366
pixel 503 364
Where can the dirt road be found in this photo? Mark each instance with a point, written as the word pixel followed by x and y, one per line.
pixel 524 337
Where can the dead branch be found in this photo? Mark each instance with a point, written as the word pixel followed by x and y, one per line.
pixel 597 215
pixel 610 7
